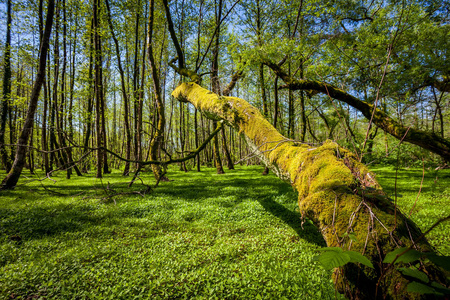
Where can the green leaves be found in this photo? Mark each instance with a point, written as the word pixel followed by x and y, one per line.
pixel 417 287
pixel 414 274
pixel 335 257
pixel 420 282
pixel 434 289
pixel 441 261
pixel 357 257
pixel 404 255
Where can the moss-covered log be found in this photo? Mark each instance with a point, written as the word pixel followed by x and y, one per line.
pixel 426 140
pixel 336 192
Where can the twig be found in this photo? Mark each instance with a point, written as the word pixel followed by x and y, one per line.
pixel 420 189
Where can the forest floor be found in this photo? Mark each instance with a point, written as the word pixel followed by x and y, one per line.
pixel 202 235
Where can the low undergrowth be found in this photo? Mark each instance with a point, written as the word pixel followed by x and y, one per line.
pixel 202 235
pixel 432 202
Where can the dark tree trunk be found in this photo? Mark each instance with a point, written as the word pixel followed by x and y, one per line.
pixel 215 84
pixel 196 139
pixel 264 98
pixel 136 84
pixel 98 87
pixel 13 176
pixel 6 91
pixel 158 139
pixel 90 99
pixel 126 118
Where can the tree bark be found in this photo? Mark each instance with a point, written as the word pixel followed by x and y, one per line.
pixel 98 86
pixel 125 97
pixel 158 139
pixel 12 177
pixel 6 91
pixel 215 85
pixel 336 192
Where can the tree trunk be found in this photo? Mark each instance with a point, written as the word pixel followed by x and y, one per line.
pixel 13 176
pixel 98 82
pixel 125 97
pixel 196 139
pixel 264 98
pixel 158 139
pixel 6 91
pixel 215 85
pixel 230 164
pixel 336 192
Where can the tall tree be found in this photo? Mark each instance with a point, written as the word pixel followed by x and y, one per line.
pixel 215 80
pixel 98 86
pixel 125 97
pixel 6 90
pixel 158 139
pixel 12 177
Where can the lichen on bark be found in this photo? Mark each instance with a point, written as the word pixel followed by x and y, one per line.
pixel 338 193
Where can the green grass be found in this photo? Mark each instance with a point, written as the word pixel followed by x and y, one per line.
pixel 433 201
pixel 200 236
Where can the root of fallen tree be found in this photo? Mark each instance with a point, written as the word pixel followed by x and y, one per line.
pixel 336 192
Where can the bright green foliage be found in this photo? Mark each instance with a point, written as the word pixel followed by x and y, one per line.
pixel 335 257
pixel 402 255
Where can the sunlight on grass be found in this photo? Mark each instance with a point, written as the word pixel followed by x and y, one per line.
pixel 202 235
pixel 199 236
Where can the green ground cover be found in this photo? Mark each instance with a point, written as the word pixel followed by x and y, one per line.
pixel 201 235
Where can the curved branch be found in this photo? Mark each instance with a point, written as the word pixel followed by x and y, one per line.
pixel 426 140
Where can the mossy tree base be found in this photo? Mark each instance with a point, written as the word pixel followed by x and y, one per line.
pixel 336 192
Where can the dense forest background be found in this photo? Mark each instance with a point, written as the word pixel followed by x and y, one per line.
pixel 106 86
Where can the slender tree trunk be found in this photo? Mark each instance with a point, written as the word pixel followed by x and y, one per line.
pixel 125 98
pixel 291 110
pixel 158 139
pixel 196 139
pixel 44 145
pixel 13 176
pixel 263 97
pixel 70 113
pixel 54 107
pixel 230 164
pixel 104 135
pixel 90 99
pixel 302 108
pixel 140 103
pixel 98 87
pixel 6 90
pixel 215 84
pixel 276 102
pixel 136 84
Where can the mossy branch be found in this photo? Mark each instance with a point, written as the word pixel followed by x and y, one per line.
pixel 424 139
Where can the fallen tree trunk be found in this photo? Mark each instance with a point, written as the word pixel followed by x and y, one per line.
pixel 336 192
